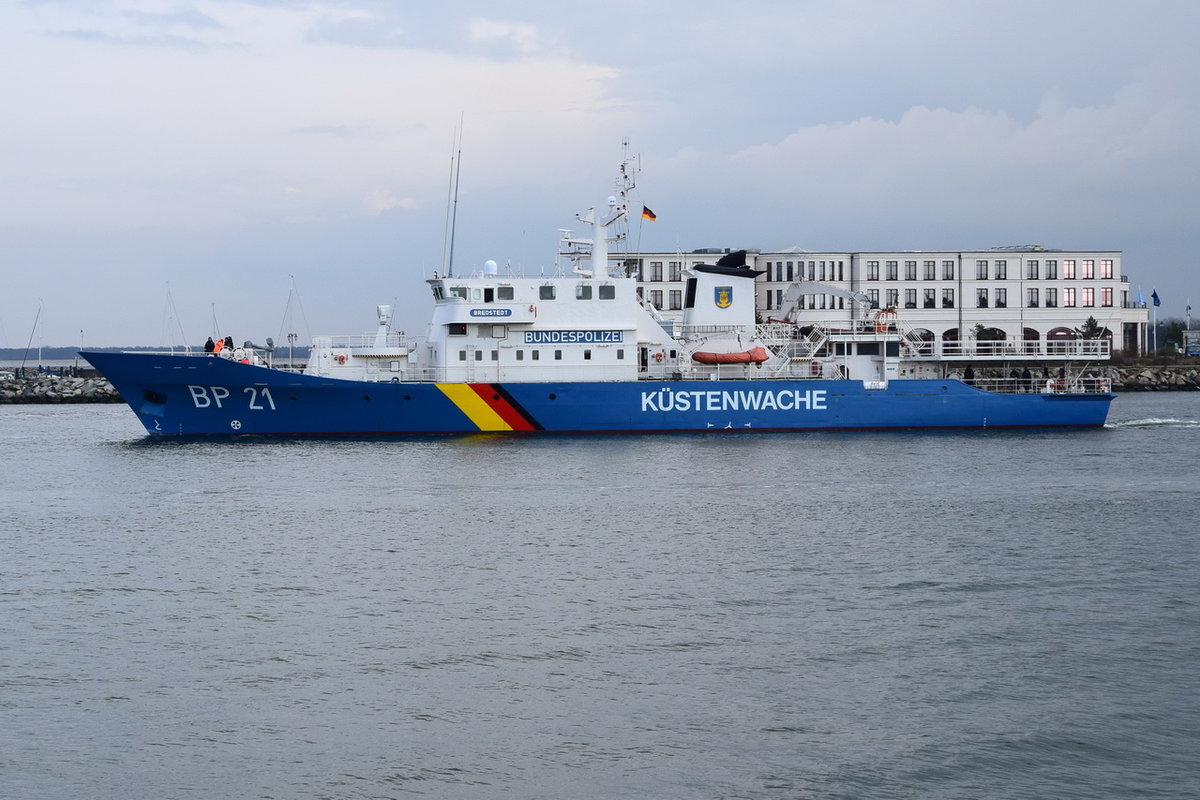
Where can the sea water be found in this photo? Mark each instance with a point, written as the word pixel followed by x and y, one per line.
pixel 813 615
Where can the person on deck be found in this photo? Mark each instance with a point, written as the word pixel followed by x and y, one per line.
pixel 208 346
pixel 218 347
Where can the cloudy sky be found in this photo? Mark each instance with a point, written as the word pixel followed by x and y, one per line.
pixel 168 163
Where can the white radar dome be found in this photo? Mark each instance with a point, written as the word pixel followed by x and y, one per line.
pixel 489 267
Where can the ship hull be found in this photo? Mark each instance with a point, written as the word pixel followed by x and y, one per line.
pixel 178 395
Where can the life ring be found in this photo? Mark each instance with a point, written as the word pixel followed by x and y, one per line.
pixel 341 358
pixel 658 356
pixel 533 309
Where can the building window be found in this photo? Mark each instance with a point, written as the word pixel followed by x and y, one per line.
pixel 1033 298
pixel 583 291
pixel 1087 269
pixel 546 292
pixel 1068 298
pixel 1002 298
pixel 1051 269
pixel 656 271
pixel 608 291
pixel 892 270
pixel 656 298
pixel 893 298
pixel 981 298
pixel 931 298
pixel 872 295
pixel 1068 270
pixel 931 270
pixel 1001 270
pixel 947 298
pixel 910 295
pixel 676 297
pixel 1051 296
pixel 981 270
pixel 948 274
pixel 1106 296
pixel 872 270
pixel 1031 270
pixel 789 271
pixel 910 270
pixel 1088 297
pixel 1106 269
pixel 676 268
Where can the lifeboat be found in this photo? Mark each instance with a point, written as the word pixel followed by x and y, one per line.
pixel 755 355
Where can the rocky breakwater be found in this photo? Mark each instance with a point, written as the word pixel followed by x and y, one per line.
pixel 49 387
pixel 1162 378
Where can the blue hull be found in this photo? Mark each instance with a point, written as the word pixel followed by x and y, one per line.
pixel 202 396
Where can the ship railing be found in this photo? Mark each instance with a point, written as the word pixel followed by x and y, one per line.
pixel 359 341
pixel 1042 385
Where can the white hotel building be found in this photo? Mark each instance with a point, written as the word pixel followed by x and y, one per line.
pixel 999 304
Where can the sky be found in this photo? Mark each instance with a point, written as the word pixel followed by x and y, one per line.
pixel 173 169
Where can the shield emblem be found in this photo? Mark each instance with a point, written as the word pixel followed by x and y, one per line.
pixel 723 296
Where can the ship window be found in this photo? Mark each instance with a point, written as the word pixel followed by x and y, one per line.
pixel 504 293
pixel 587 355
pixel 535 355
pixel 457 329
pixel 620 355
pixel 520 355
pixel 462 355
pixel 558 355
pixel 583 292
pixel 479 355
pixel 489 295
pixel 546 292
pixel 458 291
pixel 495 355
pixel 608 292
pixel 437 291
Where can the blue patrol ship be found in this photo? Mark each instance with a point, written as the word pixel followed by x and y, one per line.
pixel 582 352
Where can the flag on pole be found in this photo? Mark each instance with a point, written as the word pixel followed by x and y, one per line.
pixel 1154 298
pixel 648 214
pixel 1141 298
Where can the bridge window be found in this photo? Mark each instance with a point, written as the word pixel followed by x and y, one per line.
pixel 583 291
pixel 504 293
pixel 546 292
pixel 608 291
pixel 457 329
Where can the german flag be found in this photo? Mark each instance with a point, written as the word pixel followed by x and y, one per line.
pixel 648 214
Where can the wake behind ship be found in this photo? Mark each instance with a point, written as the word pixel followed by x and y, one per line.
pixel 582 352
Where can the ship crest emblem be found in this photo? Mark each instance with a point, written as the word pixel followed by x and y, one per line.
pixel 723 296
